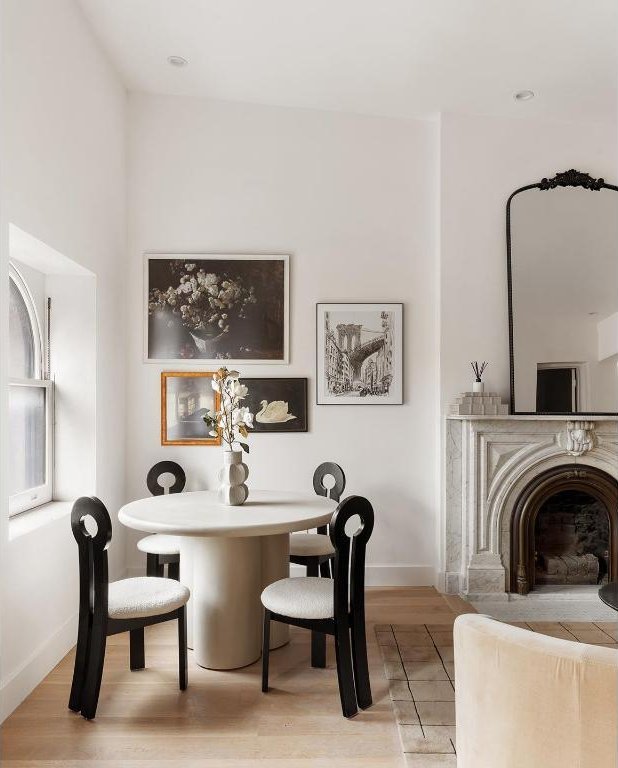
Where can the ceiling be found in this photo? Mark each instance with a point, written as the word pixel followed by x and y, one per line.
pixel 400 58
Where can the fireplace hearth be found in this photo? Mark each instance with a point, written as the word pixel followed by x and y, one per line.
pixel 564 529
pixel 571 540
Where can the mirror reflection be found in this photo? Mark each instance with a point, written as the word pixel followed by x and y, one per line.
pixel 564 300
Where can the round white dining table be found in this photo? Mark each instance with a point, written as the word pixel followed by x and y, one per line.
pixel 227 556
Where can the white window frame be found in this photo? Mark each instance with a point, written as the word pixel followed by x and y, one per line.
pixel 34 497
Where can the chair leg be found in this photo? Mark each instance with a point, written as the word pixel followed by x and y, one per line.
pixel 325 569
pixel 173 570
pixel 313 568
pixel 152 565
pixel 137 656
pixel 81 661
pixel 183 674
pixel 92 686
pixel 359 661
pixel 345 675
pixel 318 649
pixel 265 650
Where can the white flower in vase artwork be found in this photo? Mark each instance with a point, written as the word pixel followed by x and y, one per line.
pixel 232 421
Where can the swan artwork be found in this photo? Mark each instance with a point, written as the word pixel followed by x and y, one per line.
pixel 273 413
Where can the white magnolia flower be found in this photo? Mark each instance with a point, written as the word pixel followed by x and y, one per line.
pixel 242 416
pixel 233 374
pixel 239 390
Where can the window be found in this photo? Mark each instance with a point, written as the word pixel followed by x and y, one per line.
pixel 30 404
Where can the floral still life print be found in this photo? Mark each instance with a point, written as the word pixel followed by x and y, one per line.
pixel 216 308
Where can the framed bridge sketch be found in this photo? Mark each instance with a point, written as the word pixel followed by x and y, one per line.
pixel 359 354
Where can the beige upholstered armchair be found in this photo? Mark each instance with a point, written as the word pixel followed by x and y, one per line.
pixel 525 700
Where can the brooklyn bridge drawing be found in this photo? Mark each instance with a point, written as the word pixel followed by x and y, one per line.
pixel 358 353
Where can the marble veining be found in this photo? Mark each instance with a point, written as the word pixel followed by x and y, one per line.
pixel 488 463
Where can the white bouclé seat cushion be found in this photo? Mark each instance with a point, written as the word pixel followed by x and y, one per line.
pixel 306 597
pixel 159 544
pixel 145 596
pixel 310 545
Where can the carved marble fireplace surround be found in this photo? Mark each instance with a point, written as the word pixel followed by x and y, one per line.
pixel 489 461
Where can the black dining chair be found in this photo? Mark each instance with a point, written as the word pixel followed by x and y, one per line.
pixel 107 608
pixel 331 606
pixel 315 550
pixel 161 549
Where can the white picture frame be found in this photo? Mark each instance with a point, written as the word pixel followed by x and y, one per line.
pixel 359 353
pixel 171 337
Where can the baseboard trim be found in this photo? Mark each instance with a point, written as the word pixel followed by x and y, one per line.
pixel 390 575
pixel 36 667
pixel 375 575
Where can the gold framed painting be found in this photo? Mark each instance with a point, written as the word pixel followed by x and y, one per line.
pixel 185 397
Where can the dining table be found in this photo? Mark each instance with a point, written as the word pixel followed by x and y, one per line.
pixel 228 555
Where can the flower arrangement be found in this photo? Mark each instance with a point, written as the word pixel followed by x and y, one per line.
pixel 205 303
pixel 478 369
pixel 232 419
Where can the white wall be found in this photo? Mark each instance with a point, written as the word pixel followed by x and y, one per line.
pixel 63 181
pixel 354 201
pixel 483 160
pixel 607 337
pixel 564 339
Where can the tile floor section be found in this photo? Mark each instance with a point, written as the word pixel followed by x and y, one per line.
pixel 418 662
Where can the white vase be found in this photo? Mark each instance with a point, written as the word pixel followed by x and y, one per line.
pixel 478 386
pixel 232 476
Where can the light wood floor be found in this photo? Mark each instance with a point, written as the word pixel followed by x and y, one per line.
pixel 223 719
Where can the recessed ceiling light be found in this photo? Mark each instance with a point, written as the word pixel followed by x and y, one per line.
pixel 523 95
pixel 177 61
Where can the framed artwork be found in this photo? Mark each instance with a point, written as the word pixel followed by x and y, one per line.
pixel 216 308
pixel 359 354
pixel 185 398
pixel 277 404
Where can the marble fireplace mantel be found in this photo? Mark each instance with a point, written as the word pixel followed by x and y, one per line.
pixel 489 460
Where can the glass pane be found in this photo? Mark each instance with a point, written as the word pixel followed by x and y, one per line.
pixel 26 438
pixel 21 338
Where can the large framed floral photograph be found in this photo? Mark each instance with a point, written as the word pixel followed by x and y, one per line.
pixel 215 308
pixel 359 354
pixel 186 397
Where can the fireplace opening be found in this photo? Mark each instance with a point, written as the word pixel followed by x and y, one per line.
pixel 564 529
pixel 571 540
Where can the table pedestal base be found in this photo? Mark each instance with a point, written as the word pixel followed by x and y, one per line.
pixel 226 577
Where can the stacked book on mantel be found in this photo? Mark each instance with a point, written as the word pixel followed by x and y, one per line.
pixel 479 404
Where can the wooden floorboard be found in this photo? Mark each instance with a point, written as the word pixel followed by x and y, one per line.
pixel 223 718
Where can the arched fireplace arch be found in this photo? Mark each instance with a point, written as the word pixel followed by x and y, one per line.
pixel 576 477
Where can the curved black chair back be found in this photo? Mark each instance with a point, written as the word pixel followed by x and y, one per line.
pixel 93 573
pixel 349 570
pixel 160 468
pixel 335 471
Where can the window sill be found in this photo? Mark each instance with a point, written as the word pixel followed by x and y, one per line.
pixel 27 522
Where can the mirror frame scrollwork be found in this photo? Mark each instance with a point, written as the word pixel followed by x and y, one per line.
pixel 570 178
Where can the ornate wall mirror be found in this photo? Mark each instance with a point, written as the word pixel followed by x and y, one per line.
pixel 562 261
